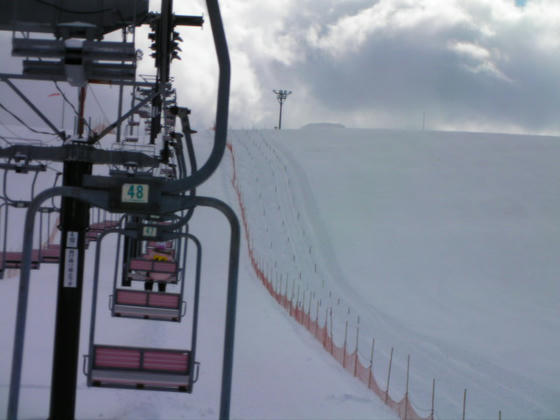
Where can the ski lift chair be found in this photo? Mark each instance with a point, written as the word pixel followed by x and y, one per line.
pixel 147 304
pixel 142 368
pixel 161 270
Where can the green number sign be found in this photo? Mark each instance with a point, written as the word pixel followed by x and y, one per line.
pixel 149 231
pixel 135 193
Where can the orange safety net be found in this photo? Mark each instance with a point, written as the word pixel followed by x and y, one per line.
pixel 349 361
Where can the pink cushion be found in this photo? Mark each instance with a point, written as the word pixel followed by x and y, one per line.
pixel 161 360
pixel 140 264
pixel 118 358
pixel 164 266
pixel 127 297
pixel 165 300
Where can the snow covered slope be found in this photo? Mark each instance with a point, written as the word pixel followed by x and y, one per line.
pixel 441 245
pixel 279 372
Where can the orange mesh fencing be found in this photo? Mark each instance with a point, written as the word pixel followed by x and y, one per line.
pixel 349 361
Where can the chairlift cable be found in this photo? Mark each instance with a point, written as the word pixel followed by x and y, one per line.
pixel 23 122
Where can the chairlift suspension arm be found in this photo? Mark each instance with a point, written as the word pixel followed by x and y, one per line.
pixel 33 185
pixel 219 146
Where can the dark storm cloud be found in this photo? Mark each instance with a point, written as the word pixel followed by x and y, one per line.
pixel 408 73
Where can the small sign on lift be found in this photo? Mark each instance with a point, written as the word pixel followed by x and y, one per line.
pixel 71 267
pixel 149 231
pixel 72 239
pixel 135 193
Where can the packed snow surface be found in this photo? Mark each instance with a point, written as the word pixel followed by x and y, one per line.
pixel 444 246
pixel 280 372
pixel 439 245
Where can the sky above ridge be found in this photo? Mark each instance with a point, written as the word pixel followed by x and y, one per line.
pixel 483 65
pixel 456 64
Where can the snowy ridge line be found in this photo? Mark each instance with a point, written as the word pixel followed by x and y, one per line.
pixel 295 306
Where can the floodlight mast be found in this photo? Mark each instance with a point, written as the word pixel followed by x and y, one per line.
pixel 281 96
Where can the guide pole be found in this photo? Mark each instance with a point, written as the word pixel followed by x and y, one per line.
pixel 74 215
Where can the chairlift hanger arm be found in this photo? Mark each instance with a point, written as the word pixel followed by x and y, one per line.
pixel 220 44
pixel 55 130
pixel 182 164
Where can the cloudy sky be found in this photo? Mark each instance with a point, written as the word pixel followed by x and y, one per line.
pixel 484 65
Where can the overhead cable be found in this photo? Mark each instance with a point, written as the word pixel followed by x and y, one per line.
pixel 23 122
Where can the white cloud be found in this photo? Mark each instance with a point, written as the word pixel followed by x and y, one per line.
pixel 481 59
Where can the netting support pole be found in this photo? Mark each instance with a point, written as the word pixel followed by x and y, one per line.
pixel 370 377
pixel 389 375
pixel 406 394
pixel 317 317
pixel 356 351
pixel 332 338
pixel 464 403
pixel 326 327
pixel 309 312
pixel 345 341
pixel 433 398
